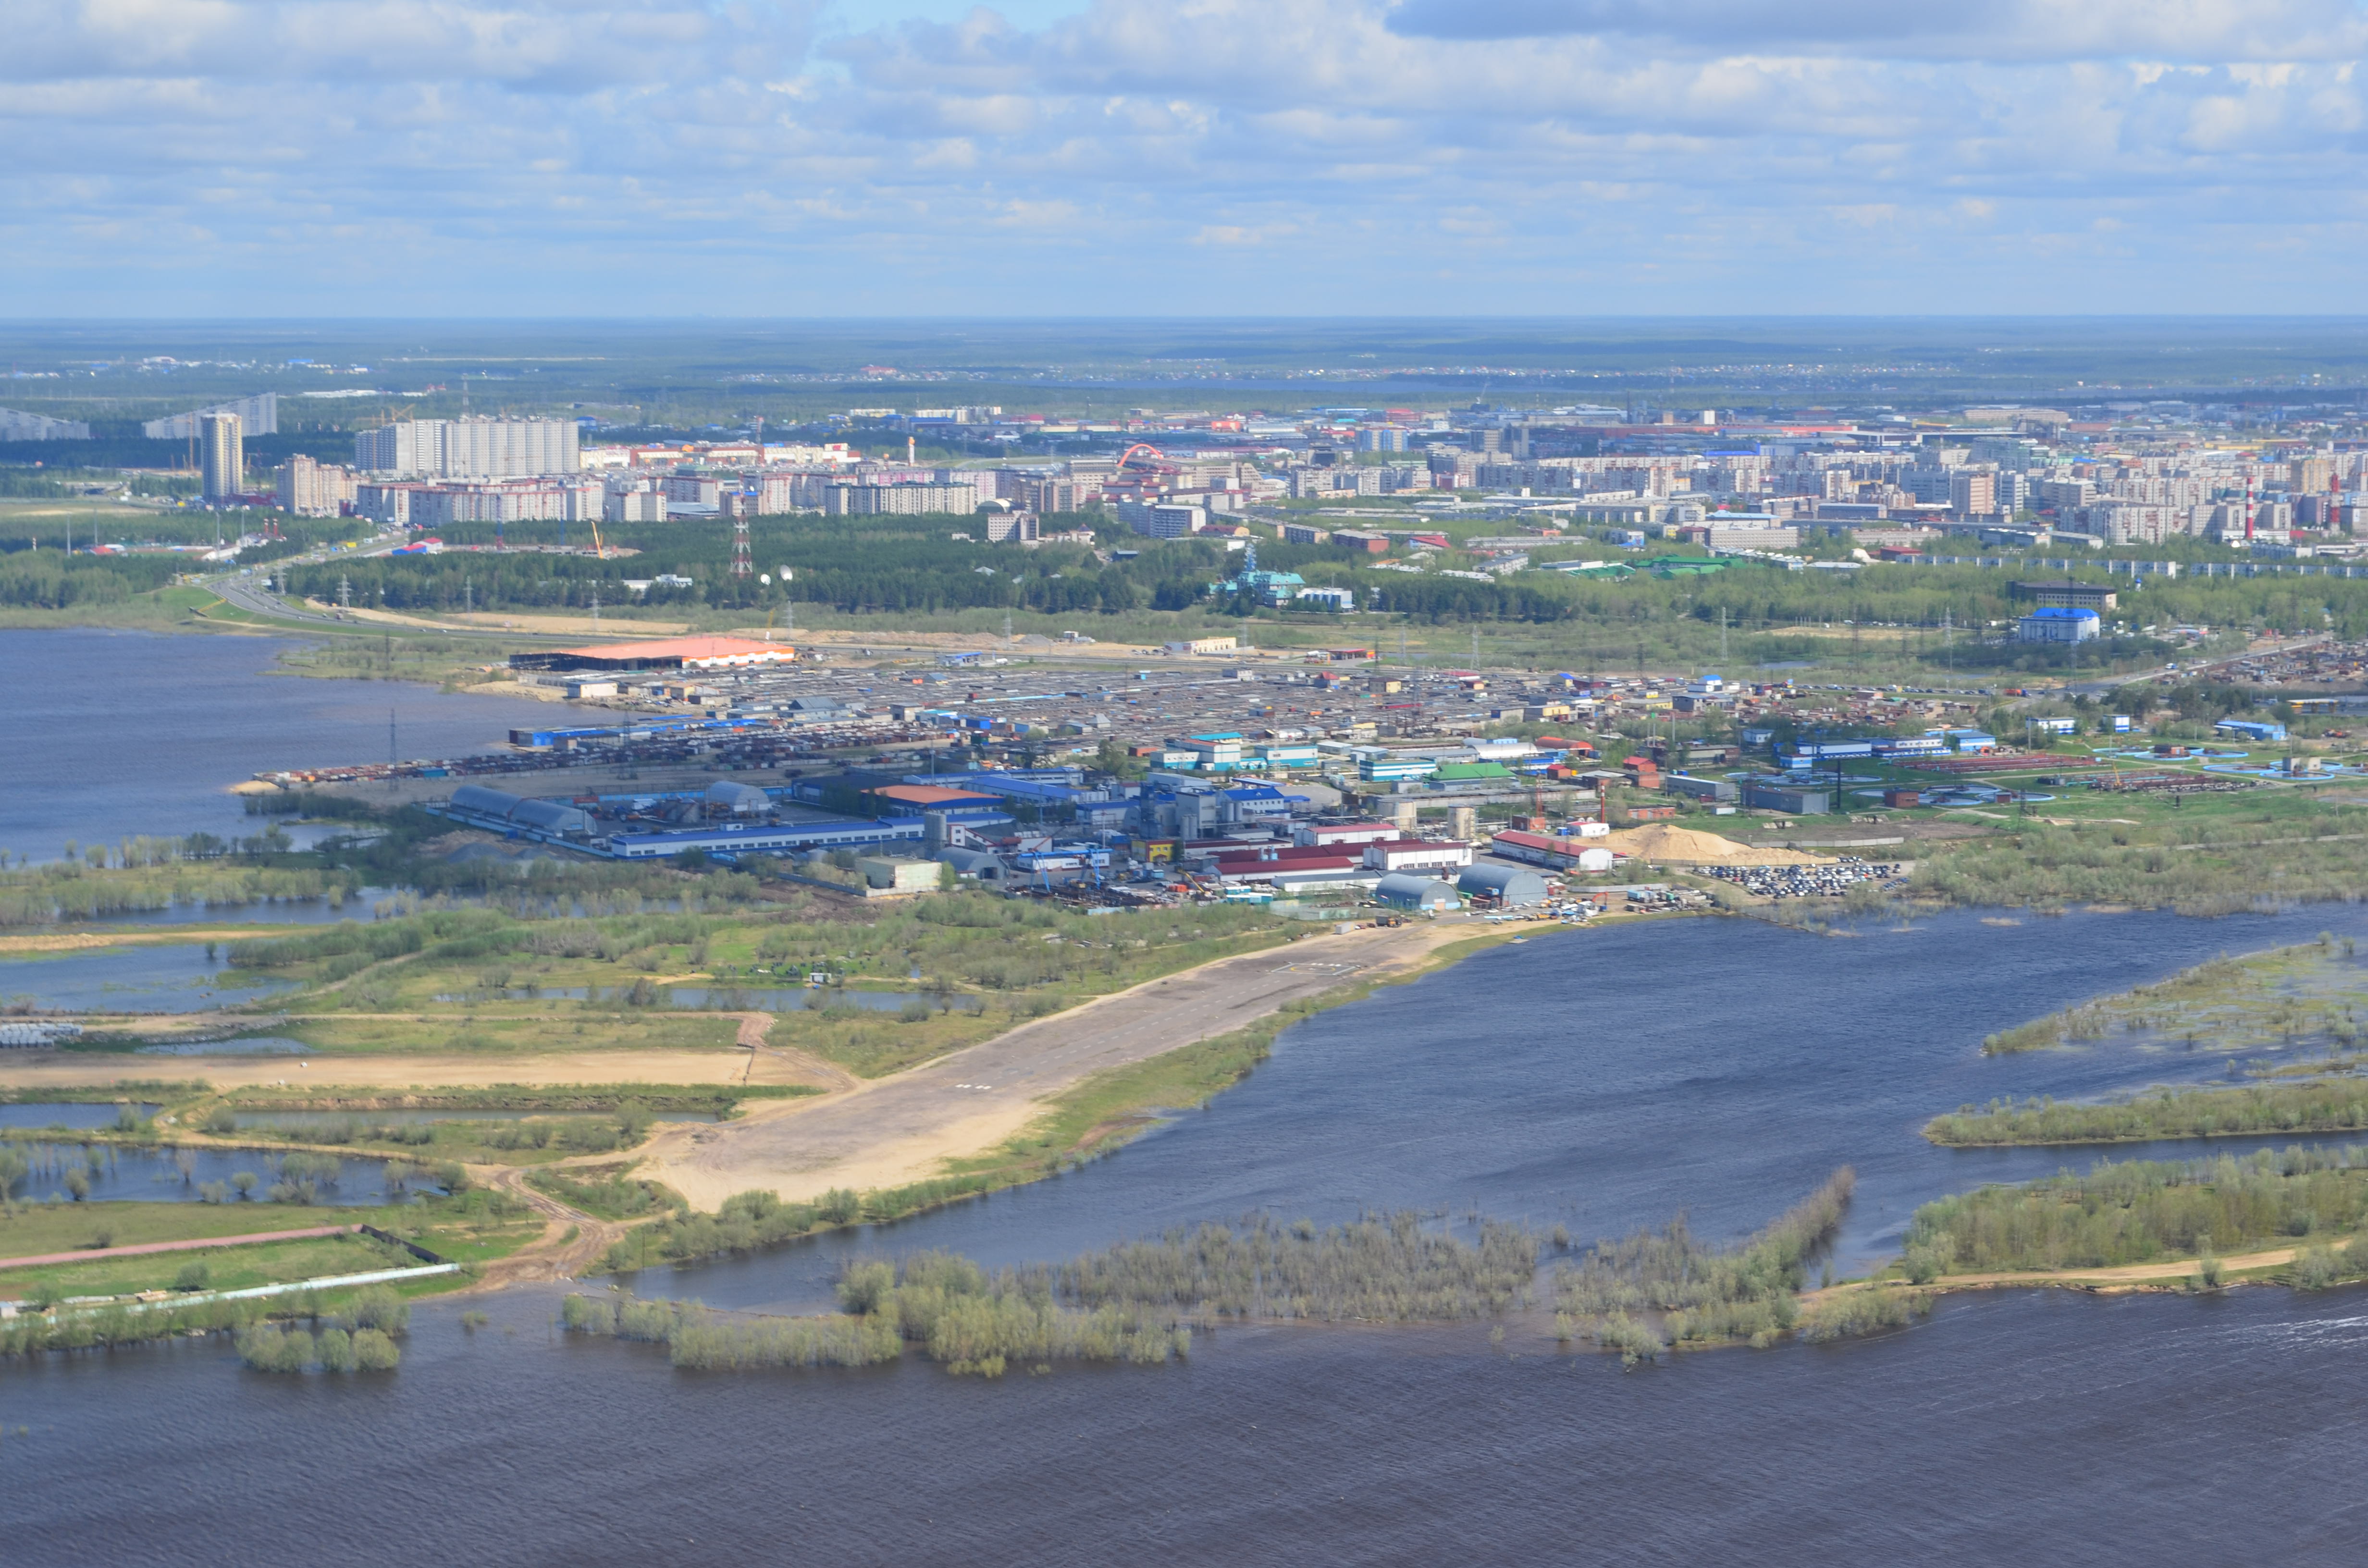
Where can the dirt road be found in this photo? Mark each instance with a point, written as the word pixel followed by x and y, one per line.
pixel 2126 1277
pixel 57 1069
pixel 554 1255
pixel 889 1132
pixel 2129 1274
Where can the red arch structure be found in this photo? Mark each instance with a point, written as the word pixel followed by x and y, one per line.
pixel 1127 456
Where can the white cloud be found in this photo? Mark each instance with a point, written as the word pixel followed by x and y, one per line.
pixel 1217 154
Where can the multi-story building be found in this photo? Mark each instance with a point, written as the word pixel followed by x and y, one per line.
pixel 868 500
pixel 1972 493
pixel 258 415
pixel 310 489
pixel 1055 495
pixel 469 449
pixel 1158 521
pixel 387 503
pixel 17 425
pixel 222 456
pixel 638 503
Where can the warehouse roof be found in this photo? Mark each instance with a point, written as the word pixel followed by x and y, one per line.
pixel 663 653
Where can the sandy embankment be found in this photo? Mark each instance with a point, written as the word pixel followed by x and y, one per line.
pixel 890 1131
pixel 863 1133
pixel 2102 1282
pixel 1662 844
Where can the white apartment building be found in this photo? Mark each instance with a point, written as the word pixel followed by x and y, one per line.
pixel 310 489
pixel 870 500
pixel 258 415
pixel 469 449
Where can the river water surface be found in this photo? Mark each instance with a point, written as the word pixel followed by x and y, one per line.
pixel 1602 1080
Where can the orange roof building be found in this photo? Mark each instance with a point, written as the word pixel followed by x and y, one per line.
pixel 926 796
pixel 664 653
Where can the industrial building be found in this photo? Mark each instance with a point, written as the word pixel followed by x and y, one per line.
pixel 664 654
pixel 1554 854
pixel 1421 894
pixel 1696 788
pixel 2058 623
pixel 500 810
pixel 1417 855
pixel 2064 594
pixel 1793 799
pixel 1507 887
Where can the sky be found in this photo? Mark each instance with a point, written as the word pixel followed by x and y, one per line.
pixel 818 158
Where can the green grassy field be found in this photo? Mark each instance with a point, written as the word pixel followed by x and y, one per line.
pixel 471 1227
pixel 226 1268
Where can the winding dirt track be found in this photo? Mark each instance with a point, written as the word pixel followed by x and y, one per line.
pixel 554 1255
pixel 888 1131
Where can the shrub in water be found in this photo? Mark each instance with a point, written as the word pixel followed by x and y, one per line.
pixel 2316 1268
pixel 379 1307
pixel 374 1352
pixel 267 1348
pixel 336 1350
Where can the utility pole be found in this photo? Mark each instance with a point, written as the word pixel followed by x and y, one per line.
pixel 345 591
pixel 740 564
pixel 1722 635
pixel 596 608
pixel 468 598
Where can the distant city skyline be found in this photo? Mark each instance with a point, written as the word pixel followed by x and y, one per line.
pixel 1308 157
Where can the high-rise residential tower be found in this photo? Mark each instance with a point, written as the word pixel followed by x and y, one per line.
pixel 222 455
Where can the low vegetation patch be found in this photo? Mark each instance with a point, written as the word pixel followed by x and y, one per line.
pixel 1138 1301
pixel 1699 1294
pixel 2142 1211
pixel 2221 859
pixel 2331 1106
pixel 604 1192
pixel 2312 993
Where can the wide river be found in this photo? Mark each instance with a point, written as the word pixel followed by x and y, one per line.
pixel 1602 1080
pixel 112 734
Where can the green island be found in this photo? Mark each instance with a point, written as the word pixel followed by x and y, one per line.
pixel 2312 993
pixel 2292 1215
pixel 2239 1110
pixel 2306 999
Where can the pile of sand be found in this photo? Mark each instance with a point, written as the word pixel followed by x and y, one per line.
pixel 1664 845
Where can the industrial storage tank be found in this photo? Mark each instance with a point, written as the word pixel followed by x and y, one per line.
pixel 1508 885
pixel 1401 889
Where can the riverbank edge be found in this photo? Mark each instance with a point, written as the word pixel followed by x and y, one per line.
pixel 1088 1120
